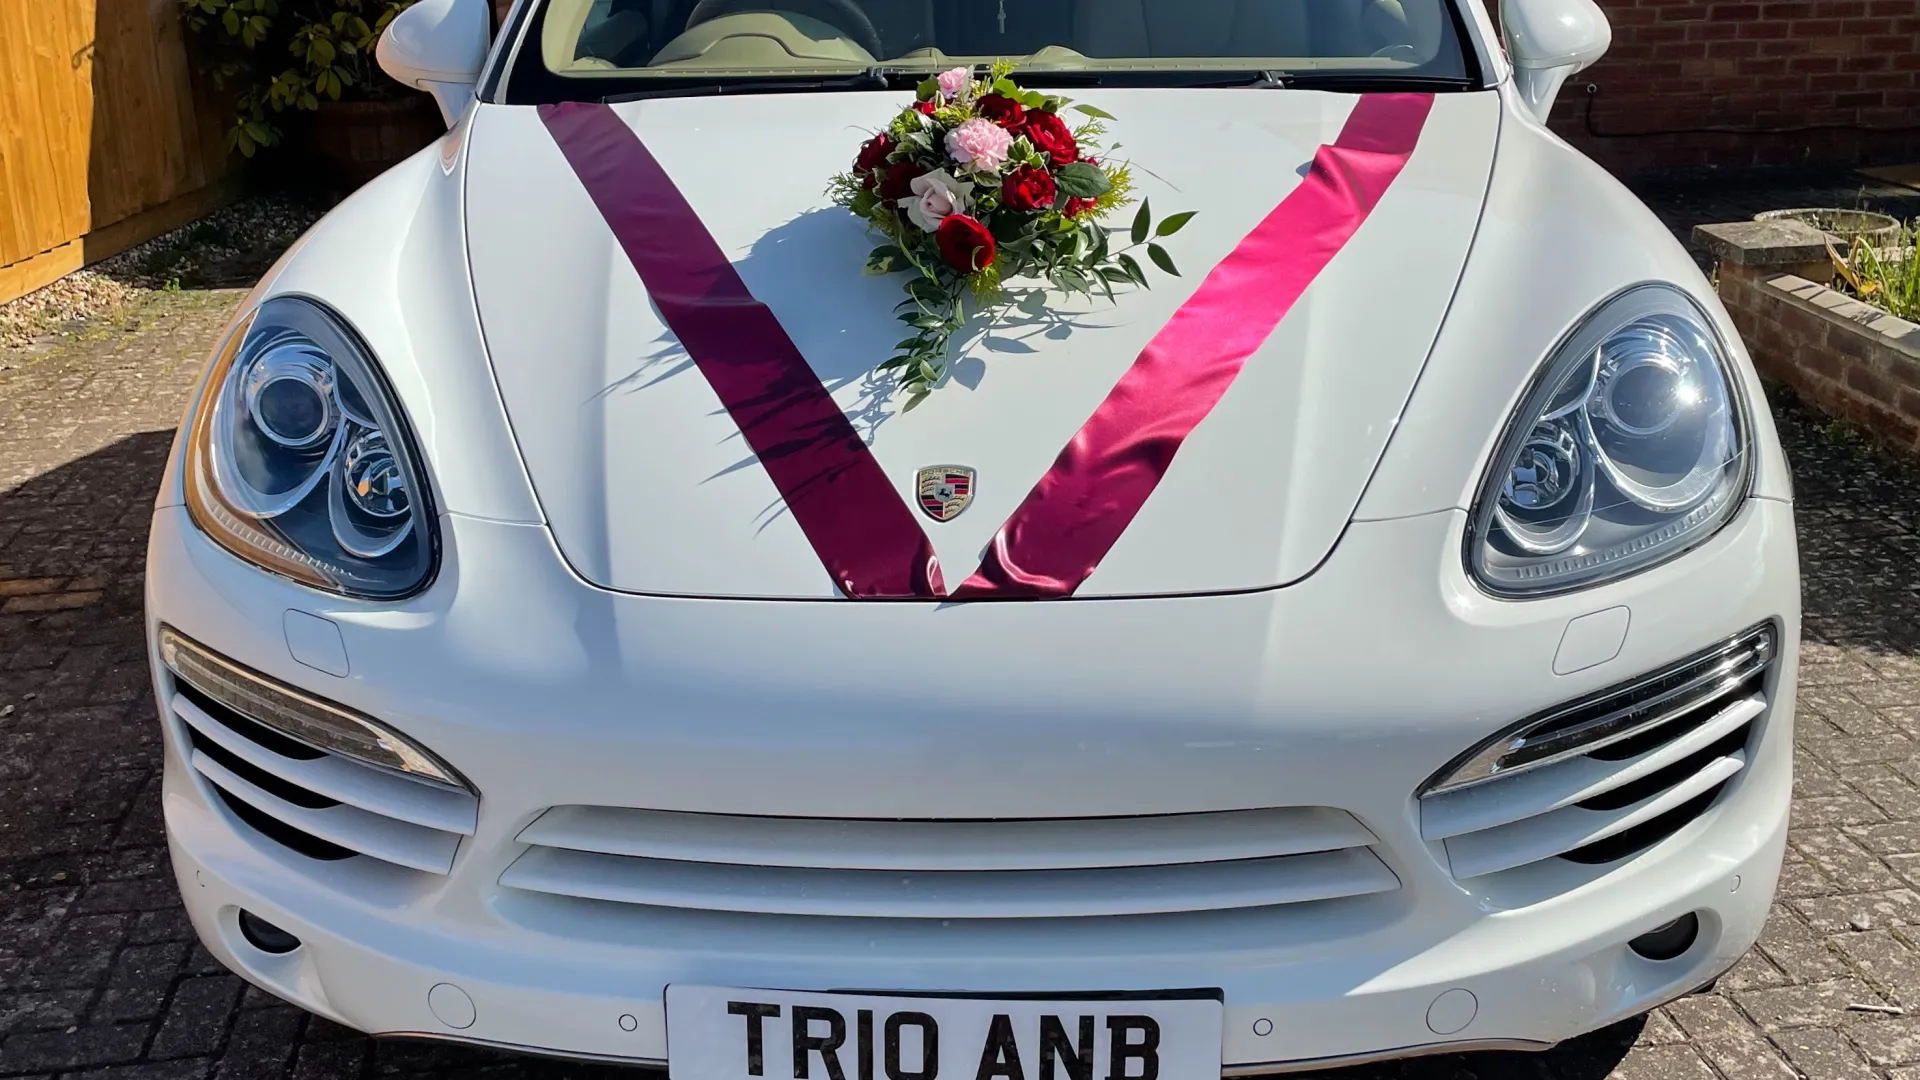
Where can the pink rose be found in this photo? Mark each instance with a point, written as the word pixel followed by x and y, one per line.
pixel 979 144
pixel 936 196
pixel 955 83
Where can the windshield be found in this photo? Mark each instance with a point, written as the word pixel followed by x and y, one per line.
pixel 587 49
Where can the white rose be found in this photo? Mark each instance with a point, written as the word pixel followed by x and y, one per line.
pixel 936 196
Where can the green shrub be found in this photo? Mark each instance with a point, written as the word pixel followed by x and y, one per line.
pixel 275 55
pixel 1886 277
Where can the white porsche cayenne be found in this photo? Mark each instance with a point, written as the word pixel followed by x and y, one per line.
pixel 1436 694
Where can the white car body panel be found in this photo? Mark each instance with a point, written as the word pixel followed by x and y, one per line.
pixel 1135 707
pixel 641 471
pixel 535 666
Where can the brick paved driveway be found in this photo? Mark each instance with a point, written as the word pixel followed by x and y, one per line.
pixel 100 976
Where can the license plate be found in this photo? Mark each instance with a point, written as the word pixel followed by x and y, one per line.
pixel 727 1033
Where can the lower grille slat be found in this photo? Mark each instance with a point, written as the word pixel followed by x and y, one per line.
pixel 1570 783
pixel 346 826
pixel 1574 827
pixel 342 781
pixel 879 844
pixel 951 869
pixel 1012 894
pixel 319 803
pixel 1612 773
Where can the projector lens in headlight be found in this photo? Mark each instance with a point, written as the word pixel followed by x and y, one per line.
pixel 298 459
pixel 1631 448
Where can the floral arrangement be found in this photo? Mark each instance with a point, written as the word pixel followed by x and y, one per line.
pixel 978 182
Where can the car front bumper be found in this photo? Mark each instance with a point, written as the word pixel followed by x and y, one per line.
pixel 1344 691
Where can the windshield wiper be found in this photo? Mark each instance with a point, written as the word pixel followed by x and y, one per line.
pixel 1360 82
pixel 873 78
pixel 1200 78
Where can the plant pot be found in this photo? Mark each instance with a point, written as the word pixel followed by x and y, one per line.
pixel 1843 226
pixel 351 142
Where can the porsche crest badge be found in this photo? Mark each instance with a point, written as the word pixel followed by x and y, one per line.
pixel 945 490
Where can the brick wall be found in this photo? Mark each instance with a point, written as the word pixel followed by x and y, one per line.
pixel 1846 69
pixel 1840 356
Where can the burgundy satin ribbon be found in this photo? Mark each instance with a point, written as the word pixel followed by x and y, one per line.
pixel 1073 516
pixel 863 531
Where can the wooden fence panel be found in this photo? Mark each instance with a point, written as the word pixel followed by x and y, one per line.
pixel 101 125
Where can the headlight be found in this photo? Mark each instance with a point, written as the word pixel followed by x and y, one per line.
pixel 1631 448
pixel 298 460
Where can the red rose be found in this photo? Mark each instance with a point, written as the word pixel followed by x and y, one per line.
pixel 925 108
pixel 1077 206
pixel 1002 110
pixel 1028 187
pixel 873 153
pixel 1050 136
pixel 964 243
pixel 895 184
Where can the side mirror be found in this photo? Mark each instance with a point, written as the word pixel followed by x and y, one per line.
pixel 1548 40
pixel 438 46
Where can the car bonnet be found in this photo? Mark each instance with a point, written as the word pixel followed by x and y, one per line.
pixel 649 486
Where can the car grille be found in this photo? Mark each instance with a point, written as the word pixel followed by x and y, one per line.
pixel 1037 868
pixel 1641 760
pixel 320 804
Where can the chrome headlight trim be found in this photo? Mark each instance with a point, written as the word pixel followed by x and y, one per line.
pixel 1547 559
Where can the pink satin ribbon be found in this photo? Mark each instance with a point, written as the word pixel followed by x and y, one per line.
pixel 863 531
pixel 1072 517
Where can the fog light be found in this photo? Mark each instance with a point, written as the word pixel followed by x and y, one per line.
pixel 1669 941
pixel 265 936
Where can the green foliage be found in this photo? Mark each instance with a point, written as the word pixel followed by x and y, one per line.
pixel 276 55
pixel 1887 277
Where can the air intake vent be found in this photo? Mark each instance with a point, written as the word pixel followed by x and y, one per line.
pixel 320 803
pixel 1608 776
pixel 1042 868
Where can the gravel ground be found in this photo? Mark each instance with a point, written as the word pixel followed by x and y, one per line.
pixel 229 248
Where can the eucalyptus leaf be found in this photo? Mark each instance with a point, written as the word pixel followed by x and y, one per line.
pixel 1142 221
pixel 928 89
pixel 1161 259
pixel 1097 113
pixel 1173 224
pixel 917 395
